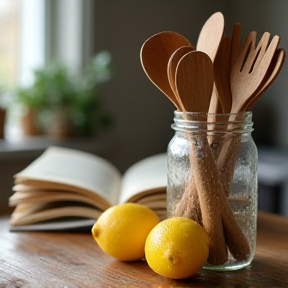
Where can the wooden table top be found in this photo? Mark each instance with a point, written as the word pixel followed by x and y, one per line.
pixel 42 259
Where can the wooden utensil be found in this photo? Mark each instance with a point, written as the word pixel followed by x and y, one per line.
pixel 194 84
pixel 222 65
pixel 154 56
pixel 171 68
pixel 247 75
pixel 223 99
pixel 264 65
pixel 235 43
pixel 235 236
pixel 273 71
pixel 209 190
pixel 208 42
pixel 250 69
pixel 211 34
pixel 194 81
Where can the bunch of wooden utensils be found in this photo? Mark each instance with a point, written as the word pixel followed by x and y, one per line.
pixel 219 76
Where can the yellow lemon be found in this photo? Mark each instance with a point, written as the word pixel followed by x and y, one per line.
pixel 177 248
pixel 121 230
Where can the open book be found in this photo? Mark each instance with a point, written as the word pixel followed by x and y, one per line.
pixel 67 189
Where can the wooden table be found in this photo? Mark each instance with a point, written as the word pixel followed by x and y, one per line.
pixel 40 259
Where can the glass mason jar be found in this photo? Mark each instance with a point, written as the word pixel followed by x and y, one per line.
pixel 212 179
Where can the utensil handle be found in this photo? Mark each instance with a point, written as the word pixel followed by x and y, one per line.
pixel 206 179
pixel 206 184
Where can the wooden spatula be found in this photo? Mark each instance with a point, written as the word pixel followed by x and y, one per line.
pixel 208 42
pixel 222 65
pixel 211 34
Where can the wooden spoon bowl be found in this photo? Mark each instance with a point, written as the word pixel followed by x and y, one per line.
pixel 155 54
pixel 194 81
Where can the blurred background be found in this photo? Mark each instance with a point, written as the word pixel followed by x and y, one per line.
pixel 74 65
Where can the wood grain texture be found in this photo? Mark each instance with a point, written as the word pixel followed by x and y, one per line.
pixel 171 69
pixel 154 56
pixel 71 260
pixel 250 69
pixel 194 81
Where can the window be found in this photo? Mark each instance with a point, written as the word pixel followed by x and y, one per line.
pixel 22 49
pixel 32 39
pixel 36 31
pixel 9 41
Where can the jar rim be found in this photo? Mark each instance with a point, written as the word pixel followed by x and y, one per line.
pixel 176 112
pixel 213 122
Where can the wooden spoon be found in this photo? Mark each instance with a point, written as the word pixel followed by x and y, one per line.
pixel 154 56
pixel 194 84
pixel 208 42
pixel 274 69
pixel 171 68
pixel 194 81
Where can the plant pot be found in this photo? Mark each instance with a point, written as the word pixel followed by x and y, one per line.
pixel 2 122
pixel 60 125
pixel 29 123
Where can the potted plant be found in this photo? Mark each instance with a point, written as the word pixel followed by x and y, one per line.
pixel 86 107
pixel 68 104
pixel 54 87
pixel 31 106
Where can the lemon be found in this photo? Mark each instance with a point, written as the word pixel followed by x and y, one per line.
pixel 177 248
pixel 121 230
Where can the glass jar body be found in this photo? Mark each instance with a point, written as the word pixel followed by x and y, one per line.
pixel 212 174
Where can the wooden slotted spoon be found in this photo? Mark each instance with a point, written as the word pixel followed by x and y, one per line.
pixel 250 69
pixel 274 69
pixel 247 75
pixel 155 54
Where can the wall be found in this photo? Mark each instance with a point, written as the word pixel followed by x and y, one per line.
pixel 143 114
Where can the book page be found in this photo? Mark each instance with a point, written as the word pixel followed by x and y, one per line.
pixel 76 168
pixel 29 214
pixel 149 174
pixel 52 196
pixel 74 225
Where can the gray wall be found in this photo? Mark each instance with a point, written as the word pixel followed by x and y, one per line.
pixel 143 114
